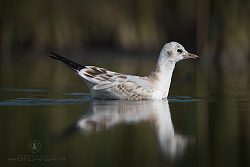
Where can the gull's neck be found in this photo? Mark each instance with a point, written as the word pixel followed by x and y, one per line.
pixel 162 73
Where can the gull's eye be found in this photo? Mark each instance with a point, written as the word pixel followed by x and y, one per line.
pixel 179 51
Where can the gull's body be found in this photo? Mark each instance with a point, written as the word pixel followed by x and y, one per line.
pixel 105 84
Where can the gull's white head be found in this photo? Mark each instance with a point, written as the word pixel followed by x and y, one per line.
pixel 175 52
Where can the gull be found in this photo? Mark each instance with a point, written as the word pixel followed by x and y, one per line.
pixel 105 84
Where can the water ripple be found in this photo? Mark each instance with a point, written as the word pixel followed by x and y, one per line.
pixel 33 97
pixel 185 99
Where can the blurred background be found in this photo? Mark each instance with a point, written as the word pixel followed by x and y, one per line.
pixel 205 26
pixel 216 30
pixel 127 36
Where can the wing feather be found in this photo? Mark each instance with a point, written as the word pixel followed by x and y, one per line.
pixel 104 86
pixel 114 84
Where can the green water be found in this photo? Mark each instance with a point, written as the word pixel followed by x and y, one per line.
pixel 48 119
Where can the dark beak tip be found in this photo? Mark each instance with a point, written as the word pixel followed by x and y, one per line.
pixel 197 57
pixel 193 56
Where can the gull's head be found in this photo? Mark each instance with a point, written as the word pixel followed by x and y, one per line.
pixel 176 52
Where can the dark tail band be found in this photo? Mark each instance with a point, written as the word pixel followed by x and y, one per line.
pixel 69 63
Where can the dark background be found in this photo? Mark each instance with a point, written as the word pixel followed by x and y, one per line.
pixel 204 26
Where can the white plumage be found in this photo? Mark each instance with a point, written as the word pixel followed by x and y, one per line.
pixel 105 84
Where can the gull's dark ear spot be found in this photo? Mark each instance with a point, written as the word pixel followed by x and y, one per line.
pixel 170 53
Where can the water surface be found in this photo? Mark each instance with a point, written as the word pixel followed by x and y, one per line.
pixel 48 119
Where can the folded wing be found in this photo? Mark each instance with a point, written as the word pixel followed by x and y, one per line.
pixel 105 84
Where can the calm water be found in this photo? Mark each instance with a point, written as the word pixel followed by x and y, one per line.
pixel 47 118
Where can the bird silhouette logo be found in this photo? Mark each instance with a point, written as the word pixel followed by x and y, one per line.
pixel 34 146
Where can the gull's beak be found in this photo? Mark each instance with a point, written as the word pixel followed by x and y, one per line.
pixel 190 56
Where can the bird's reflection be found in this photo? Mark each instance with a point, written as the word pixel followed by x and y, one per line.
pixel 104 115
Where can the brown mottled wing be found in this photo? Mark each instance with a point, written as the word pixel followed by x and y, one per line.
pixel 101 78
pixel 119 85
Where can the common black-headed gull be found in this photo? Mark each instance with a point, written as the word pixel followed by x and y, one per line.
pixel 105 84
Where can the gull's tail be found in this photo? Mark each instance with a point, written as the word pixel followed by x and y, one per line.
pixel 72 65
